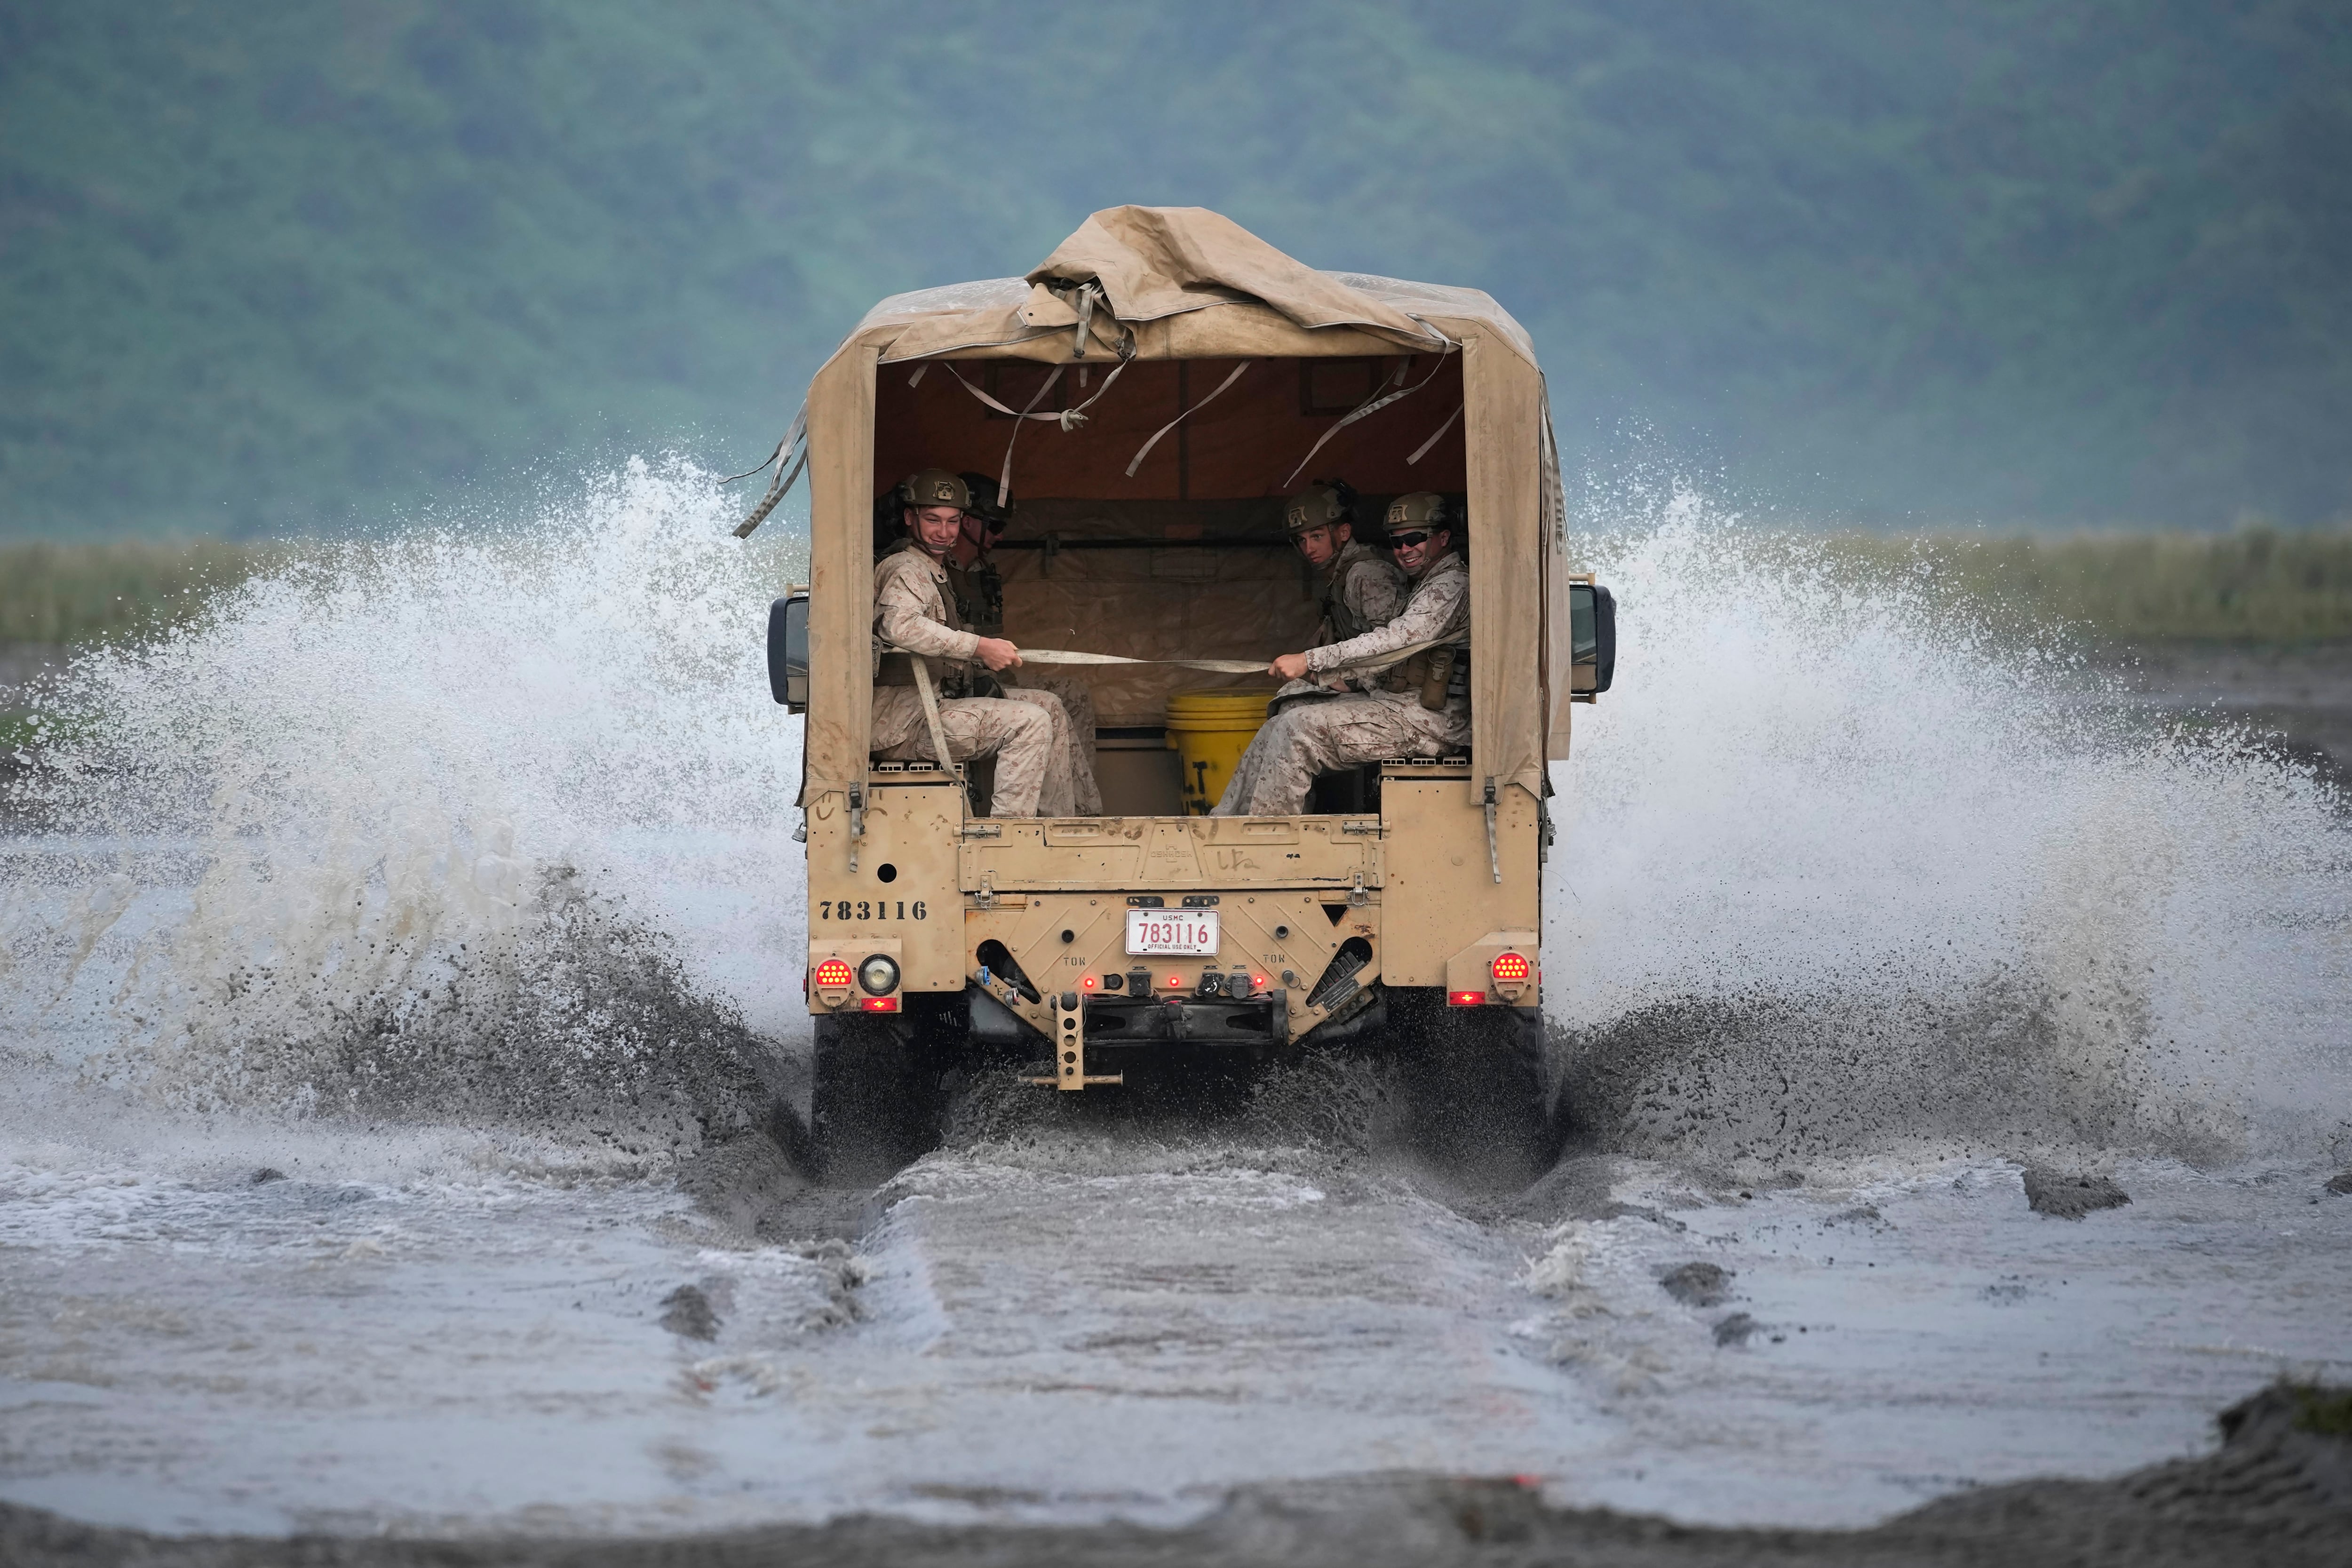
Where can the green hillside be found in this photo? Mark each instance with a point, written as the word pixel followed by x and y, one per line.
pixel 280 267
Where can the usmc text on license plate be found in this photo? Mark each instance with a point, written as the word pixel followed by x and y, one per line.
pixel 1183 932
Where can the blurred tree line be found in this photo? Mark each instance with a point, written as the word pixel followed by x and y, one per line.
pixel 281 267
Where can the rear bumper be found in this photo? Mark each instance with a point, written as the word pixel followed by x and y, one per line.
pixel 1116 1023
pixel 1260 1020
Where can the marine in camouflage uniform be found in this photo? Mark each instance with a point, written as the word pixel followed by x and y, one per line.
pixel 1362 588
pixel 978 592
pixel 1429 718
pixel 1026 731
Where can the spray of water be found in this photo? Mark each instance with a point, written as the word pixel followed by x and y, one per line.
pixel 1848 869
pixel 483 825
pixel 497 824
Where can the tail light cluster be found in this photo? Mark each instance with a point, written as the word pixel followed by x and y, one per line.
pixel 877 976
pixel 1512 974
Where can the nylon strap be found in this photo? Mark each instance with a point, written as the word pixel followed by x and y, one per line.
pixel 792 435
pixel 1369 664
pixel 1146 450
pixel 1067 418
pixel 1004 479
pixel 1088 292
pixel 1379 400
pixel 1422 450
pixel 930 701
pixel 788 470
pixel 1000 407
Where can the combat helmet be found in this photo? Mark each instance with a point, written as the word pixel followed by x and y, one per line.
pixel 1422 509
pixel 933 487
pixel 982 504
pixel 1320 505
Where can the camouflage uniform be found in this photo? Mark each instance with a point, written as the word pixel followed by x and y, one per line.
pixel 1323 736
pixel 978 594
pixel 1027 731
pixel 1363 590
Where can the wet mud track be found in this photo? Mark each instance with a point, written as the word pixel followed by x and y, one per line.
pixel 1233 1327
pixel 1088 1332
pixel 2278 1492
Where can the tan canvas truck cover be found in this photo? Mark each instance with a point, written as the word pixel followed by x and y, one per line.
pixel 1139 287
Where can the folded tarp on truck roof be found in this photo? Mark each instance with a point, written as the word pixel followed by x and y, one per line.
pixel 1152 263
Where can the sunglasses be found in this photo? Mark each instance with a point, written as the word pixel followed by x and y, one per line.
pixel 1406 541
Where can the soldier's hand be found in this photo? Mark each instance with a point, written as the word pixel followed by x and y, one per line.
pixel 998 654
pixel 1289 667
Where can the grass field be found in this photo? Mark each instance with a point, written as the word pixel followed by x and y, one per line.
pixel 2255 586
pixel 76 592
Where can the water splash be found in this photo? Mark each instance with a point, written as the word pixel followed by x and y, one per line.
pixel 1845 868
pixel 494 823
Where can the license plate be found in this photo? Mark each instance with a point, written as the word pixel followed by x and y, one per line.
pixel 1172 933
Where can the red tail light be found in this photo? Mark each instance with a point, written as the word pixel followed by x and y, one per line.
pixel 1464 999
pixel 1175 980
pixel 835 972
pixel 1088 983
pixel 1512 967
pixel 878 1004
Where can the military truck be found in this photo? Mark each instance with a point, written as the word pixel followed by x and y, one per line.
pixel 1151 392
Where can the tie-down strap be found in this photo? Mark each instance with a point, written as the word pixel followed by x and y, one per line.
pixel 1369 664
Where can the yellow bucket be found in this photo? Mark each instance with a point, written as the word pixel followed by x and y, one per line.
pixel 1209 731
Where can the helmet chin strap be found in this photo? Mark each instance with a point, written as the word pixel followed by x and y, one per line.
pixel 940 552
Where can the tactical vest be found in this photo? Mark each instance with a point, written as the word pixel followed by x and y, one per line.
pixel 976 594
pixel 953 680
pixel 1337 614
pixel 1439 675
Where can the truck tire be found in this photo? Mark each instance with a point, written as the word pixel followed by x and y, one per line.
pixel 1474 1093
pixel 874 1106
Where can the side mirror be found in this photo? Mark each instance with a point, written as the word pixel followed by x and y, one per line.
pixel 788 622
pixel 1592 637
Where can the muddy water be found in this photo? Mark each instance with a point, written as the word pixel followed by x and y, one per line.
pixel 389 1039
pixel 1079 1332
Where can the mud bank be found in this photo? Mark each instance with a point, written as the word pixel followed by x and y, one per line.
pixel 2278 1491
